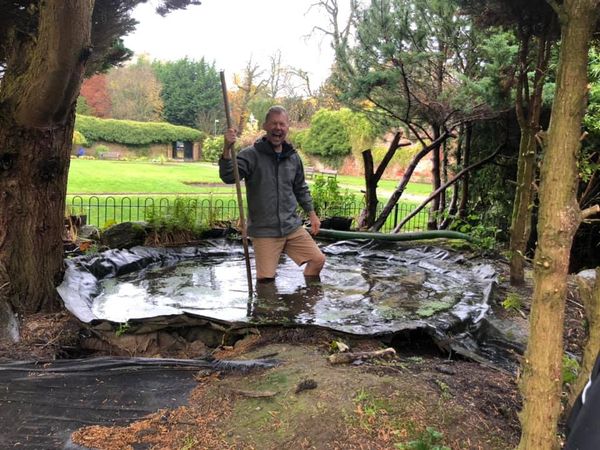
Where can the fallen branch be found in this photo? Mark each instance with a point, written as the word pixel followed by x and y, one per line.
pixel 345 358
pixel 254 394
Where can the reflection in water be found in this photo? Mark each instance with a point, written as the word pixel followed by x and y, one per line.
pixel 362 291
pixel 271 305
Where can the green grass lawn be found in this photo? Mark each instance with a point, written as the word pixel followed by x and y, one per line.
pixel 384 187
pixel 101 177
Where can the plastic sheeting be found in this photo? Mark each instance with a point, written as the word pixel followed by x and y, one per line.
pixel 367 288
pixel 42 403
pixel 364 289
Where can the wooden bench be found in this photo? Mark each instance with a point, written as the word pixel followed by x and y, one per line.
pixel 309 172
pixel 110 155
pixel 330 173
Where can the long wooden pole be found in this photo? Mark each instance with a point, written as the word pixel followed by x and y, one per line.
pixel 238 188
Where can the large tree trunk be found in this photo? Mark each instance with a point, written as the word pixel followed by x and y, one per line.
pixel 37 112
pixel 559 217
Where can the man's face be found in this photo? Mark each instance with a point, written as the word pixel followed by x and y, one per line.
pixel 277 127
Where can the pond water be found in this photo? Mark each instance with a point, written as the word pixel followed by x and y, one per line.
pixel 382 289
pixel 363 290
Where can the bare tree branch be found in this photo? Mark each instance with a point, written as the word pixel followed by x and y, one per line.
pixel 435 193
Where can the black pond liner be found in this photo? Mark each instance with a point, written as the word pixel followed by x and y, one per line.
pixel 42 403
pixel 379 289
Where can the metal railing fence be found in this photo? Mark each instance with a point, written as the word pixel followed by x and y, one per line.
pixel 102 211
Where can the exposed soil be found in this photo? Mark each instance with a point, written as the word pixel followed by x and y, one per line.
pixel 308 403
pixel 374 405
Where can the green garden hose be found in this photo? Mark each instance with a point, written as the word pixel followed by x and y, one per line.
pixel 409 236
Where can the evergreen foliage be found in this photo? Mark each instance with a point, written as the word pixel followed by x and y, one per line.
pixel 329 199
pixel 298 137
pixel 191 92
pixel 407 60
pixel 328 135
pixel 129 132
pixel 337 133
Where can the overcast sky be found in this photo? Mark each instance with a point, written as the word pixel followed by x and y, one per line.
pixel 230 32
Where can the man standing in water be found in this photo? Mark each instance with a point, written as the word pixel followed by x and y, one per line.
pixel 275 186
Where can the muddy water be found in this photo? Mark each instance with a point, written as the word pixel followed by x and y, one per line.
pixel 363 290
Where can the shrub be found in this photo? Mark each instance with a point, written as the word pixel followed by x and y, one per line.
pixel 298 137
pixel 335 134
pixel 175 224
pixel 328 199
pixel 485 236
pixel 212 148
pixel 130 132
pixel 101 149
pixel 79 139
pixel 402 157
pixel 328 135
pixel 179 216
pixel 361 131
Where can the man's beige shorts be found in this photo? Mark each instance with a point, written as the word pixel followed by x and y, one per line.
pixel 298 245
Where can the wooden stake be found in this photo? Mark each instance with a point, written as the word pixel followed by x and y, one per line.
pixel 238 188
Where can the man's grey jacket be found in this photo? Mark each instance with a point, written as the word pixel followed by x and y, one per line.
pixel 275 186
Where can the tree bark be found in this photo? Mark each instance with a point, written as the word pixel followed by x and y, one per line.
pixel 452 209
pixel 37 113
pixel 464 197
pixel 521 215
pixel 372 178
pixel 529 123
pixel 559 218
pixel 435 182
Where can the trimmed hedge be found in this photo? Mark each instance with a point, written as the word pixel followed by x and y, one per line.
pixel 130 132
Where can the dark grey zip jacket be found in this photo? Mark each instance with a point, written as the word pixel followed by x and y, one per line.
pixel 275 186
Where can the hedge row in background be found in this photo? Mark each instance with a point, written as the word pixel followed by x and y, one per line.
pixel 129 132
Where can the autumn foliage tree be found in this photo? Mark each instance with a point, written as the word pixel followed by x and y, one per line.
pixel 94 91
pixel 135 92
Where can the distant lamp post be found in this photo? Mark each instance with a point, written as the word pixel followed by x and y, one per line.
pixel 216 123
pixel 253 122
